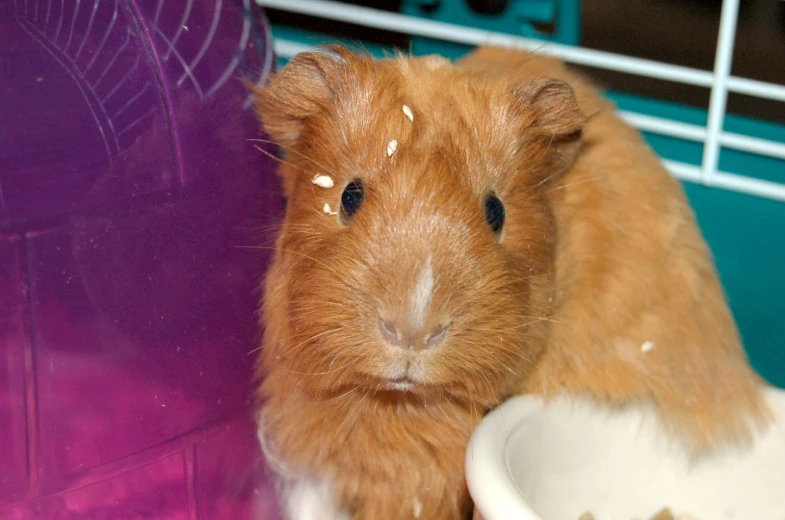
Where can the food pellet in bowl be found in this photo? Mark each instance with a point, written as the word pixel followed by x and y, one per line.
pixel 664 514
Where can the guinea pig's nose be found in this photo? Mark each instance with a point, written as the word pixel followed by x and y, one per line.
pixel 403 336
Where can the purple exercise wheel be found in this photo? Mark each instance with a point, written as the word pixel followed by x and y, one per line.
pixel 131 200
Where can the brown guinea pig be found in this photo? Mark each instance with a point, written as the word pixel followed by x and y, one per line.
pixel 456 234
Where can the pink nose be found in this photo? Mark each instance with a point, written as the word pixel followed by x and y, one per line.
pixel 402 335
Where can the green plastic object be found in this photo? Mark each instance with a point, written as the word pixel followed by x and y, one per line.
pixel 548 20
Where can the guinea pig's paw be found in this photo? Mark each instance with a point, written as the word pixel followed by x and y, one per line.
pixel 276 463
pixel 309 498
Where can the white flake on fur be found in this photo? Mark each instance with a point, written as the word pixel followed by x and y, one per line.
pixel 392 146
pixel 327 209
pixel 323 181
pixel 408 113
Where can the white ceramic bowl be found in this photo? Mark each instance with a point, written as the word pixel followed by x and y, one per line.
pixel 526 461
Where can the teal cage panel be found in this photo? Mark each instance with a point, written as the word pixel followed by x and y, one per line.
pixel 548 20
pixel 746 233
pixel 747 236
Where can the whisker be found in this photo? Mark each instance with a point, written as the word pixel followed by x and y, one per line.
pixel 514 327
pixel 562 186
pixel 292 150
pixel 271 248
pixel 282 356
pixel 353 389
pixel 332 371
pixel 323 333
pixel 543 318
pixel 317 303
pixel 275 157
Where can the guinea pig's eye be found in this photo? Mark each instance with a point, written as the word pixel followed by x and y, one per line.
pixel 351 199
pixel 494 213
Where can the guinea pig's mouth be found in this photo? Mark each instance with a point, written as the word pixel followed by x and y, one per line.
pixel 404 375
pixel 400 384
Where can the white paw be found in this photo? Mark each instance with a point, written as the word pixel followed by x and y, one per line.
pixel 301 497
pixel 310 499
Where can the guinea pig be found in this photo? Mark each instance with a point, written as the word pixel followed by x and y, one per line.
pixel 456 234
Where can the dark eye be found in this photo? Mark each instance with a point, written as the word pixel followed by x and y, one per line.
pixel 351 199
pixel 494 213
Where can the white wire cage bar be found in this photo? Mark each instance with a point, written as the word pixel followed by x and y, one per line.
pixel 719 89
pixel 720 81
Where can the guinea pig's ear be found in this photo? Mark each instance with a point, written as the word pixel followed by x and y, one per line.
pixel 554 108
pixel 305 87
pixel 552 112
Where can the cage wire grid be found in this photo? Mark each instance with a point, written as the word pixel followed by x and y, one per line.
pixel 720 82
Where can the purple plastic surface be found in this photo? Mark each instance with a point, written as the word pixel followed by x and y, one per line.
pixel 131 200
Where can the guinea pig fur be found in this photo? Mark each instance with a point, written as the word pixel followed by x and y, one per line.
pixel 456 234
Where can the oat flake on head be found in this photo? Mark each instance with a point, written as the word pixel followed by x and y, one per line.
pixel 392 146
pixel 323 181
pixel 408 112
